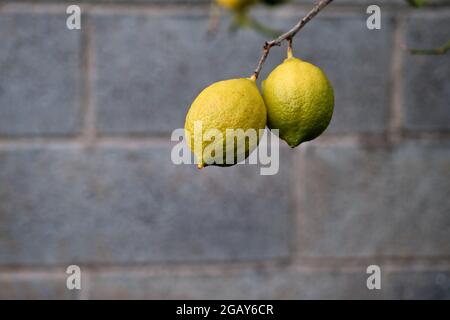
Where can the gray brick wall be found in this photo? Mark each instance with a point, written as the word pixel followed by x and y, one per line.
pixel 248 283
pixel 41 80
pixel 86 176
pixel 380 196
pixel 436 115
pixel 94 200
pixel 35 285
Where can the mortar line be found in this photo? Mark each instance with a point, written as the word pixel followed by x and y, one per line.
pixel 221 269
pixel 296 193
pixel 396 103
pixel 31 273
pixel 144 141
pixel 88 66
pixel 128 7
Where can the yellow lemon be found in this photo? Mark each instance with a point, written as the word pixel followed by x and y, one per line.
pixel 225 122
pixel 299 100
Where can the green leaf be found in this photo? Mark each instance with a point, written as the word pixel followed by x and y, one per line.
pixel 244 20
pixel 417 3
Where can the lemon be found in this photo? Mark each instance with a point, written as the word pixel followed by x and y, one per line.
pixel 235 4
pixel 219 116
pixel 299 100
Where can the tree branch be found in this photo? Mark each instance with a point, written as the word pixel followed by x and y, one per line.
pixel 288 35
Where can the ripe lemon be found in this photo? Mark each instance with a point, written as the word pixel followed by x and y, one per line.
pixel 299 100
pixel 236 105
pixel 235 4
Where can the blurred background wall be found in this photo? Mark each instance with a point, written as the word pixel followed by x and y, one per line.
pixel 86 176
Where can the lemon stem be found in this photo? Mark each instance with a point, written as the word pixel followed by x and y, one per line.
pixel 289 49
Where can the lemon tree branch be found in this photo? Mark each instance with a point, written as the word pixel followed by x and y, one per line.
pixel 287 36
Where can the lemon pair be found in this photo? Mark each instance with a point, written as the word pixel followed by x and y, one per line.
pixel 297 99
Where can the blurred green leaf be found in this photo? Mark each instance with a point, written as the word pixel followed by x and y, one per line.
pixel 417 3
pixel 244 20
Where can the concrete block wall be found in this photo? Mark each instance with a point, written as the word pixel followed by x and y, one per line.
pixel 86 176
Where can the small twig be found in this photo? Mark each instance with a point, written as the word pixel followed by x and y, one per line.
pixel 214 18
pixel 288 35
pixel 436 51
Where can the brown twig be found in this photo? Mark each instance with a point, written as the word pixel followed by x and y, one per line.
pixel 214 18
pixel 435 51
pixel 288 35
